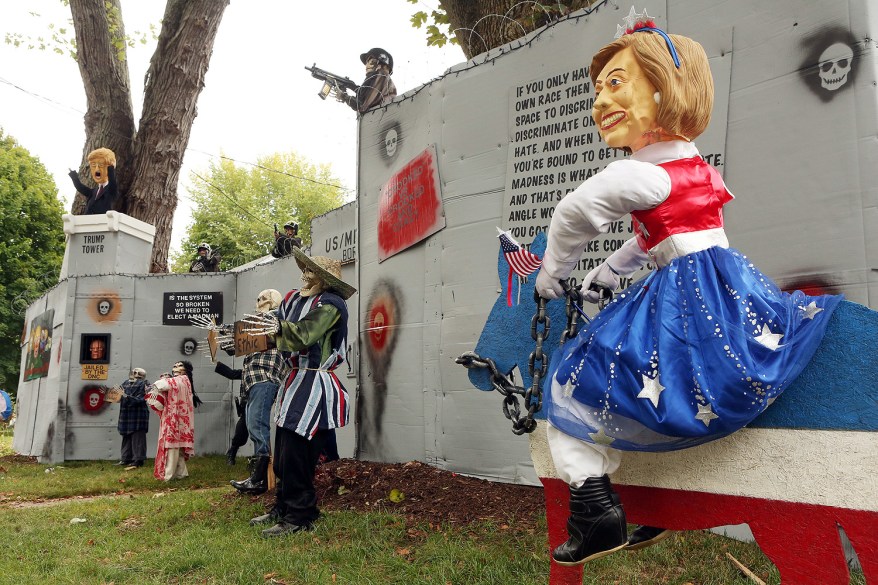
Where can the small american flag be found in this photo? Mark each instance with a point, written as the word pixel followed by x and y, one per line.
pixel 521 262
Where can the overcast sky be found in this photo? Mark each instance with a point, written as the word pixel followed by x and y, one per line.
pixel 258 99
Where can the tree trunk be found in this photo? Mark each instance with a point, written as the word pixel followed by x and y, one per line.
pixel 173 83
pixel 487 24
pixel 109 118
pixel 149 159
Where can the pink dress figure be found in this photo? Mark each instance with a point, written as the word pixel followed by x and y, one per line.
pixel 171 399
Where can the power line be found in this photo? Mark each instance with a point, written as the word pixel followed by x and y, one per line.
pixel 187 149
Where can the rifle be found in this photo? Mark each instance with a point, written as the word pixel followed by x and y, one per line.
pixel 330 81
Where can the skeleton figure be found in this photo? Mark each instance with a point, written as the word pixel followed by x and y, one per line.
pixel 312 284
pixel 835 64
pixel 268 300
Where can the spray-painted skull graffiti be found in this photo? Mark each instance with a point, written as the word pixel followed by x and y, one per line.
pixel 92 399
pixel 104 307
pixel 189 346
pixel 831 61
pixel 835 65
pixel 390 142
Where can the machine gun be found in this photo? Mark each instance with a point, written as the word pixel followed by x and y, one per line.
pixel 330 81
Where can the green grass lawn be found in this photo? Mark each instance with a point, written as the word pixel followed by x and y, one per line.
pixel 119 527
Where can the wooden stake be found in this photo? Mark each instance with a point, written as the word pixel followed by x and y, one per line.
pixel 745 570
pixel 272 481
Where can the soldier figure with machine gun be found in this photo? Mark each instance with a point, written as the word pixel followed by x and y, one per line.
pixel 375 90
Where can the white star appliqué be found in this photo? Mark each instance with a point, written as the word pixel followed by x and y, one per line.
pixel 810 311
pixel 705 414
pixel 769 339
pixel 601 438
pixel 567 389
pixel 652 389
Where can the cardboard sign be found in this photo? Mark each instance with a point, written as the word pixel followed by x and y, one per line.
pixel 246 343
pixel 212 344
pixel 95 371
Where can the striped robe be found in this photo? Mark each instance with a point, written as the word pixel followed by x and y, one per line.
pixel 313 397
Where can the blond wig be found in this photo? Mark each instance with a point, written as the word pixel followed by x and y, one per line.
pixel 103 153
pixel 686 93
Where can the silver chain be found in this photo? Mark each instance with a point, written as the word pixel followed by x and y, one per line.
pixel 537 363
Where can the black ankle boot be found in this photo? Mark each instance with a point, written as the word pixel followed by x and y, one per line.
pixel 596 525
pixel 257 483
pixel 230 456
pixel 645 536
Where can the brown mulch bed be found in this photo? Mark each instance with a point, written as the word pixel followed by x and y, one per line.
pixel 424 493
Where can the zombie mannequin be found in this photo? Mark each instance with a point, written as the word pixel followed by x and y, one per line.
pixel 688 354
pixel 102 163
pixel 172 399
pixel 310 327
pixel 261 375
pixel 284 243
pixel 208 260
pixel 133 418
pixel 377 88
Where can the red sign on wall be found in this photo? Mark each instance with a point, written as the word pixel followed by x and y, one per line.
pixel 411 206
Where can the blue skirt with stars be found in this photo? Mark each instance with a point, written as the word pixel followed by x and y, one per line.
pixel 688 354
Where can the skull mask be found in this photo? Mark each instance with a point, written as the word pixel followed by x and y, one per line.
pixel 137 374
pixel 267 300
pixel 104 307
pixel 178 369
pixel 834 66
pixel 390 140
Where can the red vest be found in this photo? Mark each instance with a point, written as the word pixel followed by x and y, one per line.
pixel 695 203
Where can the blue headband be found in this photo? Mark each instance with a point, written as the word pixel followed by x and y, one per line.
pixel 665 36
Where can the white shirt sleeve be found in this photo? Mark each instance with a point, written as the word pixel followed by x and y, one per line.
pixel 582 215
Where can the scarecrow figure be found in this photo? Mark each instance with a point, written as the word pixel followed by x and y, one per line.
pixel 310 327
pixel 102 163
pixel 699 347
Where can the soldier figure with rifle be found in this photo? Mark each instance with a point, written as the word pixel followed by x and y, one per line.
pixel 376 89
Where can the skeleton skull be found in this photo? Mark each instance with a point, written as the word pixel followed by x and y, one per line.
pixel 189 347
pixel 178 369
pixel 834 66
pixel 104 307
pixel 93 399
pixel 267 300
pixel 311 284
pixel 390 140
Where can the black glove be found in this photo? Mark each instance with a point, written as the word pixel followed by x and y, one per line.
pixel 73 174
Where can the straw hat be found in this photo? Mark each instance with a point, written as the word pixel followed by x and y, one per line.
pixel 328 269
